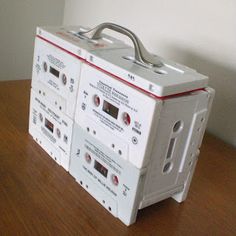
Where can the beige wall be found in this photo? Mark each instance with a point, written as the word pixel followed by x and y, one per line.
pixel 200 34
pixel 18 20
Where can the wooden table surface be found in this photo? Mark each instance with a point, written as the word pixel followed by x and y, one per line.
pixel 37 197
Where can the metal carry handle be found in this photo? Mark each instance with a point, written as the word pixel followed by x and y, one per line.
pixel 141 54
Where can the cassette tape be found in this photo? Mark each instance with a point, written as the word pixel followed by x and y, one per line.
pixel 112 181
pixel 51 129
pixel 58 55
pixel 109 108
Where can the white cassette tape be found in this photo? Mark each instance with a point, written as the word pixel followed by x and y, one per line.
pixel 51 129
pixel 110 108
pixel 58 56
pixel 112 181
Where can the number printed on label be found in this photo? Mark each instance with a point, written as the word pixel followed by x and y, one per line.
pixel 131 77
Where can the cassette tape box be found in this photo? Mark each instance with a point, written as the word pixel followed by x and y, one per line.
pixel 127 124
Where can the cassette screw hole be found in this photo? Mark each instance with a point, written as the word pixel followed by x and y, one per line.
pixel 126 118
pixel 81 182
pixel 120 152
pixel 64 79
pixel 45 66
pixel 178 126
pixel 202 119
pixel 103 201
pixel 60 107
pixel 39 91
pixel 88 158
pixel 36 139
pixel 134 140
pixel 109 208
pixel 86 186
pixel 88 129
pixel 113 145
pixel 96 100
pixel 65 138
pixel 94 132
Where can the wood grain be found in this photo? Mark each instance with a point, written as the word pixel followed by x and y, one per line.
pixel 37 197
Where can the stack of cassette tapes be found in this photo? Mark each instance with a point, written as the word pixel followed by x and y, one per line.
pixel 126 124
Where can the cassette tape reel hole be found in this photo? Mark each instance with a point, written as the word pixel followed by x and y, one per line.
pixel 96 100
pixel 167 168
pixel 178 126
pixel 45 67
pixel 64 79
pixel 114 179
pixel 126 118
pixel 87 158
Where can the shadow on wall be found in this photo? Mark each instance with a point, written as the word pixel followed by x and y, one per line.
pixel 222 121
